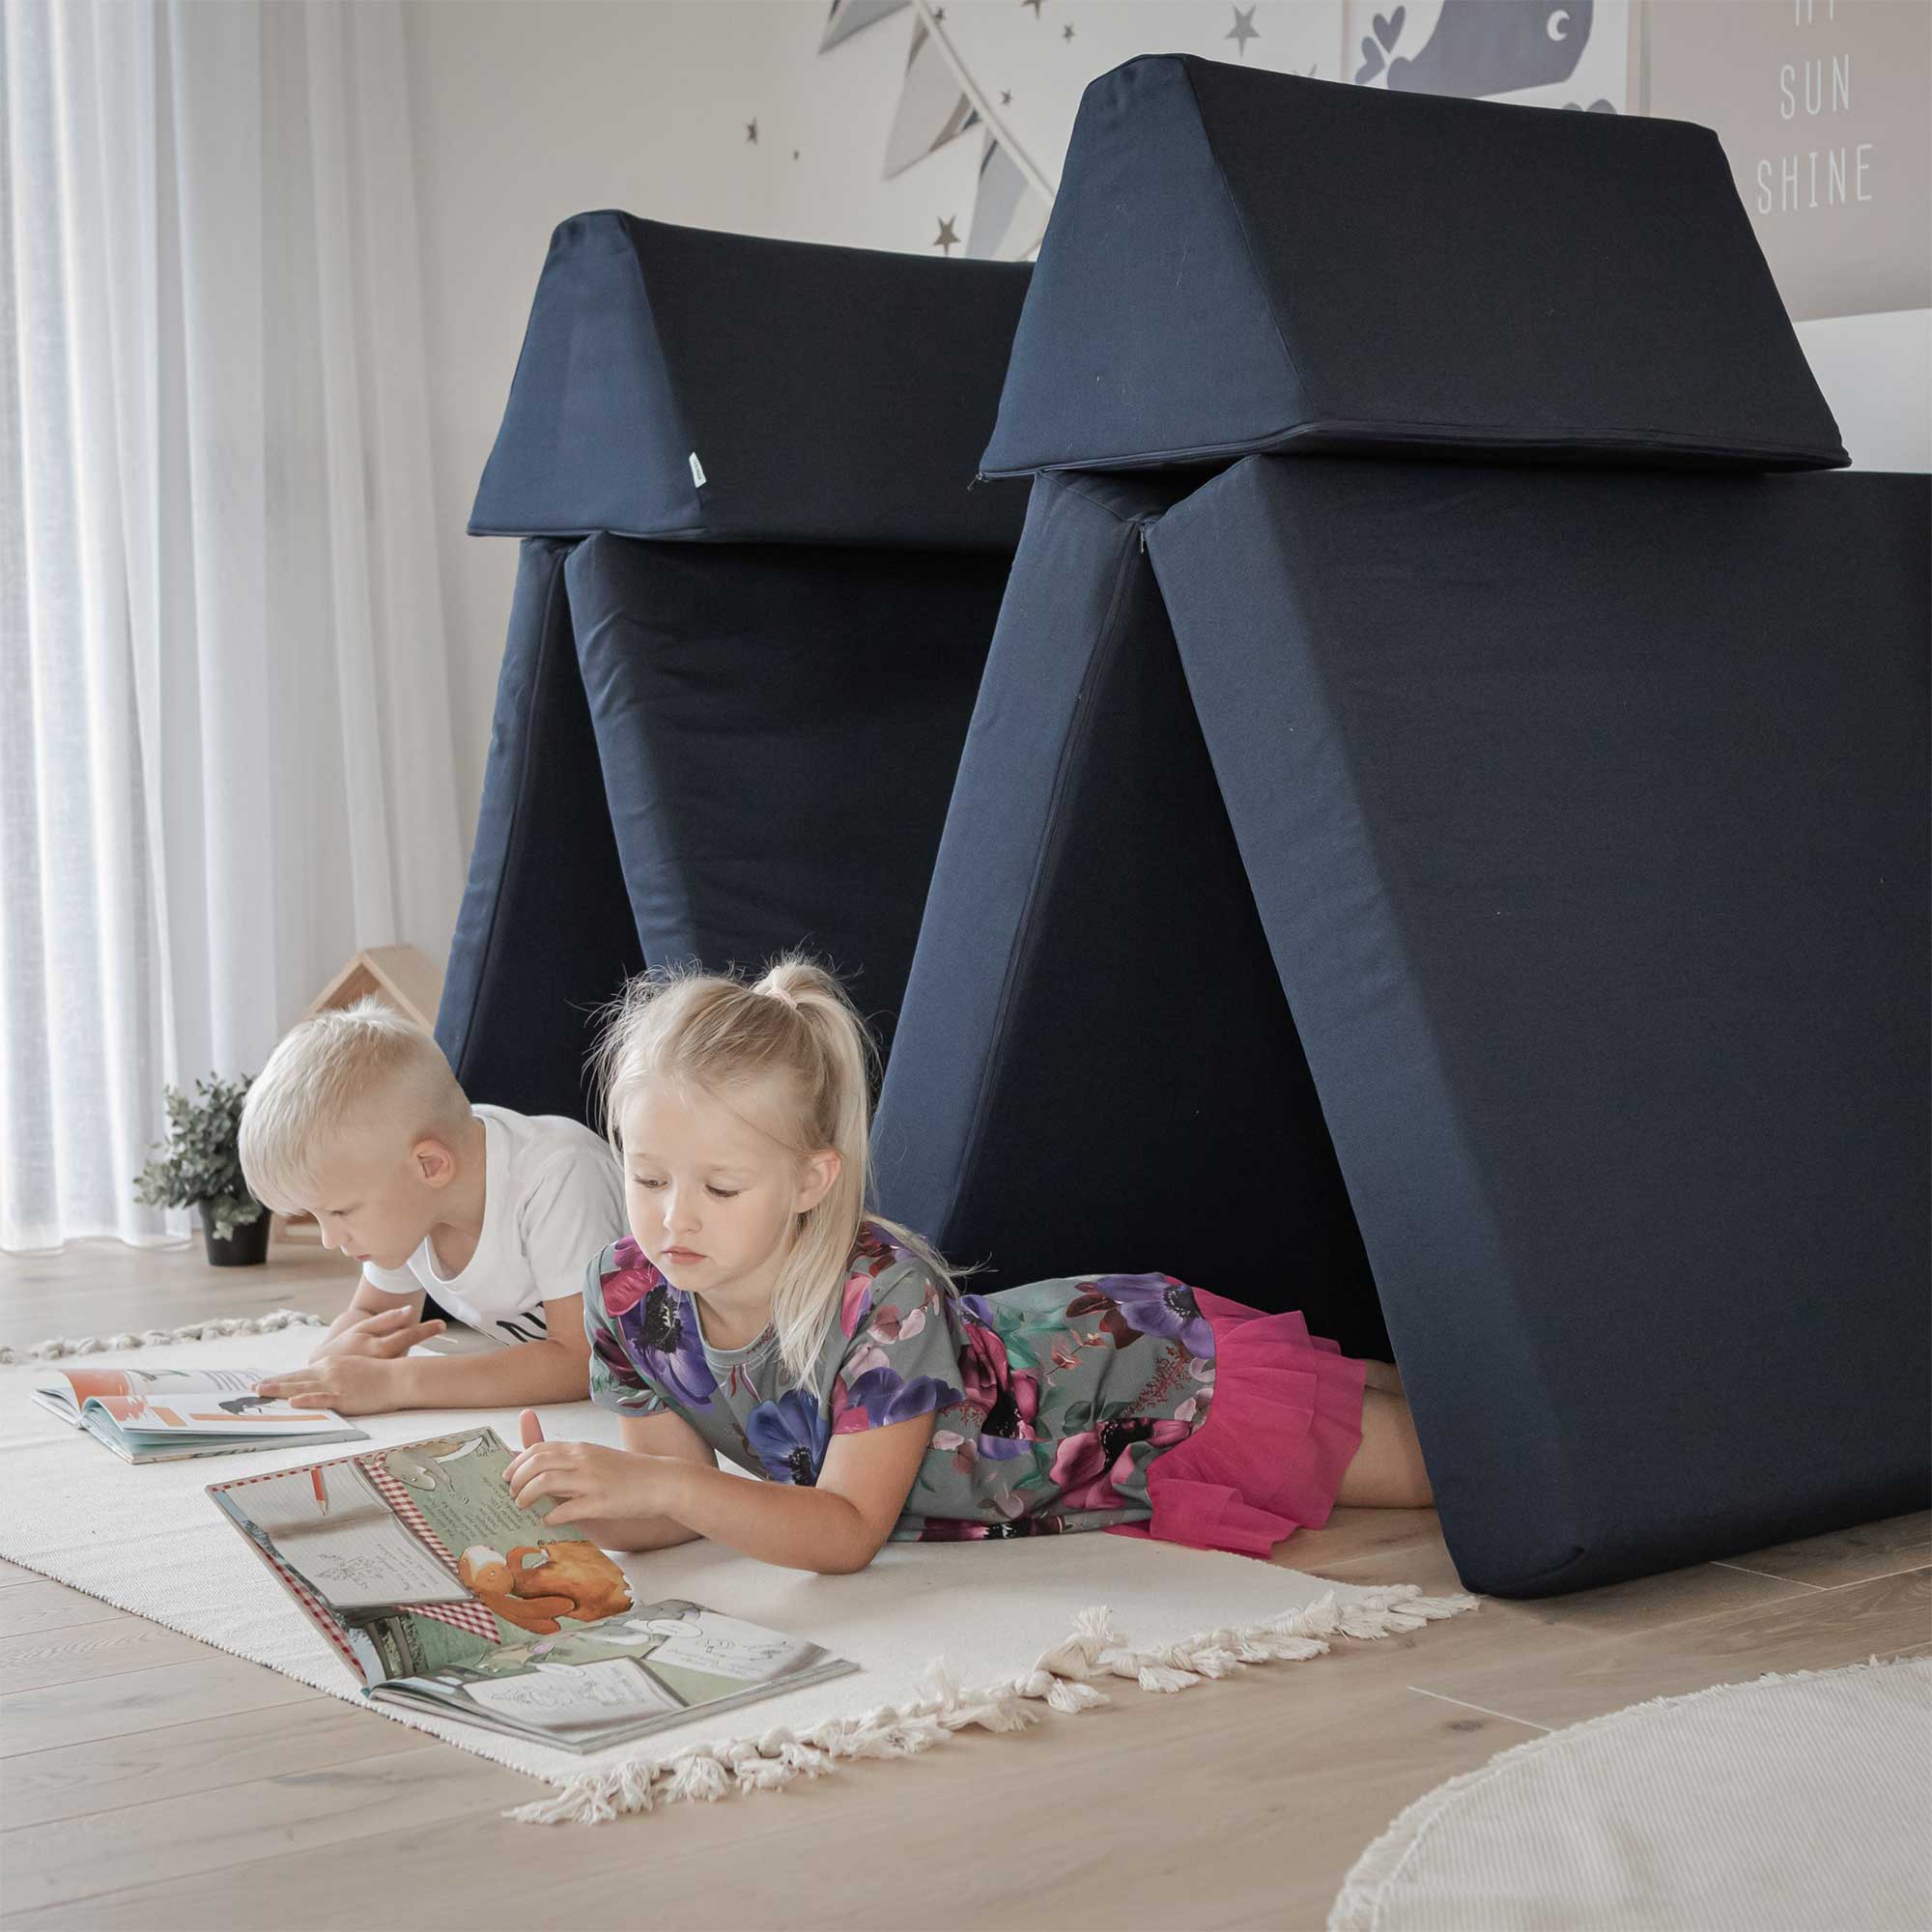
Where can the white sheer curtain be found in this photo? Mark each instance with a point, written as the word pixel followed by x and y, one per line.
pixel 225 747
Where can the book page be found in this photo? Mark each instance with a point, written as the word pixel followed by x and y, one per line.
pixel 212 1413
pixel 718 1646
pixel 456 1482
pixel 138 1382
pixel 574 1693
pixel 357 1554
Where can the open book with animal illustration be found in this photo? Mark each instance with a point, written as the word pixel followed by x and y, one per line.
pixel 162 1416
pixel 442 1595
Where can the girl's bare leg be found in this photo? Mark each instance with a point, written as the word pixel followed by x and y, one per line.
pixel 1387 1471
pixel 1381 1375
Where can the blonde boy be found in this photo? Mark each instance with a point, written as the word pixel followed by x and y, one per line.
pixel 358 1119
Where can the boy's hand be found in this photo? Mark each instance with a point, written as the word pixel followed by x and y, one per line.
pixel 587 1481
pixel 386 1335
pixel 348 1385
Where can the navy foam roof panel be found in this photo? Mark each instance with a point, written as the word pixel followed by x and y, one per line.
pixel 1096 1069
pixel 543 936
pixel 1242 260
pixel 1587 817
pixel 685 384
pixel 778 727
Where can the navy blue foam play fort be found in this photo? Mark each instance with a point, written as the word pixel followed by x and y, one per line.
pixel 1243 261
pixel 755 593
pixel 1587 820
pixel 694 387
pixel 1095 1067
pixel 778 727
pixel 544 937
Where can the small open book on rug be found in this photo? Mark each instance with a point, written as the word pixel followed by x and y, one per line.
pixel 162 1416
pixel 529 1630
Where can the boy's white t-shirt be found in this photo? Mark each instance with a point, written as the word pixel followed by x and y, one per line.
pixel 552 1200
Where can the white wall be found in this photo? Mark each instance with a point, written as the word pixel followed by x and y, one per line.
pixel 524 114
pixel 1876 373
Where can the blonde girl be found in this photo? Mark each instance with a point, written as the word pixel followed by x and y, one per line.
pixel 756 1311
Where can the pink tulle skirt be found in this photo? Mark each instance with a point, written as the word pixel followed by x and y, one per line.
pixel 1283 1427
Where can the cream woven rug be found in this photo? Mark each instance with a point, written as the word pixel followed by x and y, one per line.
pixel 1793 1803
pixel 945 1635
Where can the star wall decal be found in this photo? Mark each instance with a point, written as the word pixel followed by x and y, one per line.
pixel 1006 96
pixel 1066 33
pixel 1243 30
pixel 948 236
pixel 1035 5
pixel 752 132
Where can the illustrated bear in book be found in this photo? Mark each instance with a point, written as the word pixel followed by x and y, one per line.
pixel 537 1583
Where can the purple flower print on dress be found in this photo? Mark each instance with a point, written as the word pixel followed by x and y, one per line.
pixel 660 1336
pixel 1146 1304
pixel 1091 1466
pixel 790 1438
pixel 882 1396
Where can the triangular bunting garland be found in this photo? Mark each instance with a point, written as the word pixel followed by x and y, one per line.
pixel 851 16
pixel 1009 213
pixel 933 108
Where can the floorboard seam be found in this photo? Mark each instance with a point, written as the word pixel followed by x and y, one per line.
pixel 1770 1575
pixel 1442 1696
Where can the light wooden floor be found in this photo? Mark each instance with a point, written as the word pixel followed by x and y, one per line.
pixel 150 1782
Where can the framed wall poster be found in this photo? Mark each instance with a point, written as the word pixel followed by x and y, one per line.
pixel 1821 106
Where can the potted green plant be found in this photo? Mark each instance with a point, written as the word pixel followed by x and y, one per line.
pixel 200 1167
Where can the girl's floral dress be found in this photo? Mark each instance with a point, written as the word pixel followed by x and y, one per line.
pixel 1064 1405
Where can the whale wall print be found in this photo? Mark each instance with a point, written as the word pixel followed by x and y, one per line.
pixel 1548 53
pixel 1008 78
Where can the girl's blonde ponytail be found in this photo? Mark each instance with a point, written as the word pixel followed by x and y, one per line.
pixel 813 1270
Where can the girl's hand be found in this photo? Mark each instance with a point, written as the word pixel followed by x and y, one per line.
pixel 348 1385
pixel 587 1481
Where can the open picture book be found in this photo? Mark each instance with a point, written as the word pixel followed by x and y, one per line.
pixel 162 1416
pixel 445 1597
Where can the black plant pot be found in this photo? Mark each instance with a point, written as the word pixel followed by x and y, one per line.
pixel 245 1248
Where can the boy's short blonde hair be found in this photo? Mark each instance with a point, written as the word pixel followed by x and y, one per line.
pixel 364 1072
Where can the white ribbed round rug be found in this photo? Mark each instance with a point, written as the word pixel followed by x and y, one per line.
pixel 1800 1802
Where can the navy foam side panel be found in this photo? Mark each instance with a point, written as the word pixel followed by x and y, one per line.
pixel 543 936
pixel 1095 1068
pixel 1240 260
pixel 779 728
pixel 697 386
pixel 1587 817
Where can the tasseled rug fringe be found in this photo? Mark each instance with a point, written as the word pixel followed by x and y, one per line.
pixel 53 1349
pixel 1060 1680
